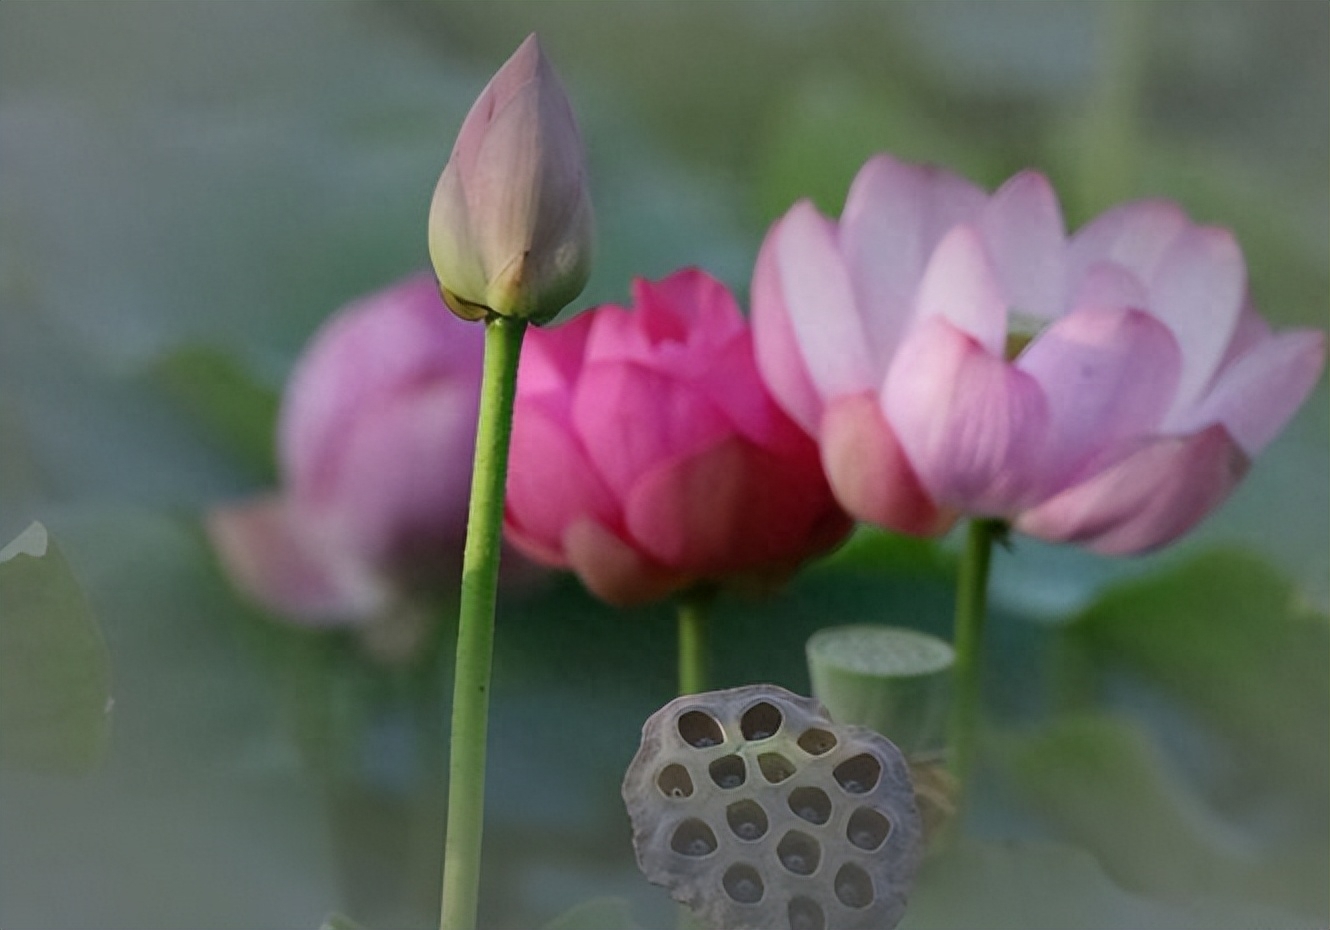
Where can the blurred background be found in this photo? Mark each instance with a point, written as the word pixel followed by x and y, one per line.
pixel 187 190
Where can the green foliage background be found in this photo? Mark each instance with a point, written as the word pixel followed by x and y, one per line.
pixel 187 190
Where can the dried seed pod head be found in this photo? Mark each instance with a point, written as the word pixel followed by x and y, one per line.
pixel 757 811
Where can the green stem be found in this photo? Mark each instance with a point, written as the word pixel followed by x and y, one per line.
pixel 971 604
pixel 475 633
pixel 694 611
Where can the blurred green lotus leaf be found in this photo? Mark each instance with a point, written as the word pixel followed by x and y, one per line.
pixel 1035 885
pixel 237 411
pixel 1280 226
pixel 1111 790
pixel 54 671
pixel 596 914
pixel 1232 639
pixel 870 551
pixel 339 922
pixel 831 125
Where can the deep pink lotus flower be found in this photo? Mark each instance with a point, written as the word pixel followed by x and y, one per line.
pixel 375 439
pixel 510 226
pixel 954 352
pixel 648 456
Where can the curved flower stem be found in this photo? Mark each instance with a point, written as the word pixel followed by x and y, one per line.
pixel 475 633
pixel 694 613
pixel 971 605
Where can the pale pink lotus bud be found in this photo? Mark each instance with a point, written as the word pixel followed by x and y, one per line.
pixel 647 455
pixel 510 226
pixel 375 439
pixel 1141 384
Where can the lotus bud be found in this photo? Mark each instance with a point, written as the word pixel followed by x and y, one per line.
pixel 510 224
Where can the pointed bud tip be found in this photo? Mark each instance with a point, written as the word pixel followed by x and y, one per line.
pixel 527 57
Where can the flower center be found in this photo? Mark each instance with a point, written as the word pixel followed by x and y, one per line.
pixel 1022 328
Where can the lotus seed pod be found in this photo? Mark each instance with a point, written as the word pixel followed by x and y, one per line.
pixel 935 792
pixel 757 811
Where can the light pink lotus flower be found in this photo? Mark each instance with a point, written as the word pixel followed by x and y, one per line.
pixel 647 455
pixel 510 224
pixel 954 352
pixel 375 439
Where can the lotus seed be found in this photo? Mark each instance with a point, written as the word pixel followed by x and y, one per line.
pixel 805 914
pixel 799 853
pixel 728 772
pixel 817 742
pixel 849 894
pixel 811 804
pixel 744 884
pixel 775 767
pixel 693 838
pixel 867 828
pixel 761 721
pixel 746 890
pixel 858 774
pixel 747 820
pixel 853 886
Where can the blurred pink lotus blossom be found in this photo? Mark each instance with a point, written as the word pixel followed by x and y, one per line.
pixel 375 439
pixel 510 223
pixel 955 352
pixel 648 456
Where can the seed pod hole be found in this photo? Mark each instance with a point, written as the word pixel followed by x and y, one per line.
pixel 743 884
pixel 700 730
pixel 867 829
pixel 761 721
pixel 728 772
pixel 858 774
pixel 806 914
pixel 811 804
pixel 675 782
pixel 799 853
pixel 775 767
pixel 815 742
pixel 853 886
pixel 747 820
pixel 693 838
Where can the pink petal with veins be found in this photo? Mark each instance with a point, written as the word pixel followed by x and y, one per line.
pixel 1260 391
pixel 614 571
pixel 779 355
pixel 1147 499
pixel 1023 231
pixel 960 286
pixel 894 216
pixel 274 555
pixel 869 472
pixel 818 300
pixel 1107 375
pixel 973 426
